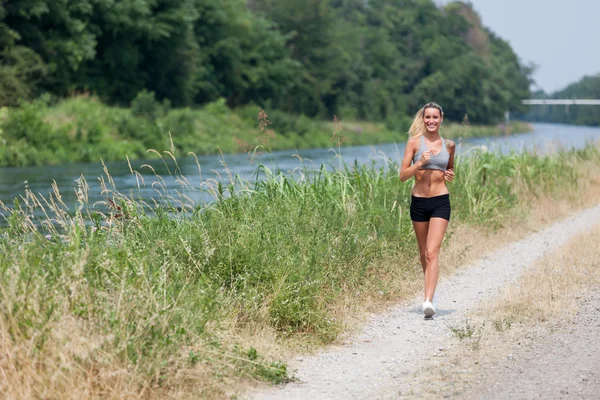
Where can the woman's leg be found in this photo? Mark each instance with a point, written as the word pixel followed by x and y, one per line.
pixel 421 229
pixel 435 235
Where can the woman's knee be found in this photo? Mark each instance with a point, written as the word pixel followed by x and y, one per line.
pixel 432 254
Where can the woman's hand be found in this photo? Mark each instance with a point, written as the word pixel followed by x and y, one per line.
pixel 449 174
pixel 425 158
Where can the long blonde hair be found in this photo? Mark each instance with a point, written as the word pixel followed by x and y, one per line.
pixel 417 128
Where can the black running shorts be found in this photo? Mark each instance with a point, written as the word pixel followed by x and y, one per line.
pixel 422 209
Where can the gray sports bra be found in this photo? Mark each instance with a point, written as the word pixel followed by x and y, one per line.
pixel 438 161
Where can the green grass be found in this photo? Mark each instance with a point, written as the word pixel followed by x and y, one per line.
pixel 160 286
pixel 83 129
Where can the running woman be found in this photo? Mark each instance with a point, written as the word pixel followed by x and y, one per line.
pixel 430 159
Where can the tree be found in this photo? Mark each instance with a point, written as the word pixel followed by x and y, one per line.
pixel 142 44
pixel 376 59
pixel 246 58
pixel 314 41
pixel 55 30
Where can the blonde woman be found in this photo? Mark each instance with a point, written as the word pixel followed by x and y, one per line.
pixel 430 159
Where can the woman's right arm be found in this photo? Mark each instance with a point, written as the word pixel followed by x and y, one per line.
pixel 406 170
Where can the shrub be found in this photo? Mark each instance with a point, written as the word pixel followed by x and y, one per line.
pixel 145 105
pixel 26 124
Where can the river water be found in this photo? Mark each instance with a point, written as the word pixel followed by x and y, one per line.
pixel 14 181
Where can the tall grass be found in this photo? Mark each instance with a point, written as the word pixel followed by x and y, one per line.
pixel 143 296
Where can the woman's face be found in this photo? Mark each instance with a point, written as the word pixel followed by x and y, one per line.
pixel 433 118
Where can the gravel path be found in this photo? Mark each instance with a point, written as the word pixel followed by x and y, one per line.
pixel 563 365
pixel 377 362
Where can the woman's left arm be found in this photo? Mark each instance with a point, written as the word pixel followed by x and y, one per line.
pixel 449 173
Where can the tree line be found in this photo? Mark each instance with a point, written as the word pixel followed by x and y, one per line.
pixel 587 87
pixel 362 59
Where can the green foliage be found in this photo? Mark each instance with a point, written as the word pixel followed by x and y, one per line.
pixel 33 142
pixel 470 332
pixel 463 332
pixel 145 105
pixel 399 55
pixel 377 60
pixel 21 70
pixel 84 129
pixel 247 57
pixel 59 32
pixel 273 372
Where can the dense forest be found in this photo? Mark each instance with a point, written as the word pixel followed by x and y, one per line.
pixel 586 88
pixel 358 59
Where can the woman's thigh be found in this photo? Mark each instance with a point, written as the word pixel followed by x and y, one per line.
pixel 435 233
pixel 421 231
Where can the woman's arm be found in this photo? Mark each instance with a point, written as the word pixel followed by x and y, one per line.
pixel 449 173
pixel 406 170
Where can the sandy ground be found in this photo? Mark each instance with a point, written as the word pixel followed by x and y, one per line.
pixel 390 357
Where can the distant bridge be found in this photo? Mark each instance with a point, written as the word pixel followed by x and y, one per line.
pixel 563 102
pixel 555 102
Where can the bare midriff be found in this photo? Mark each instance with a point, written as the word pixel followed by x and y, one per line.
pixel 429 183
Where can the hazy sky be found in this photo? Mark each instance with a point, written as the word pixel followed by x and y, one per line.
pixel 562 37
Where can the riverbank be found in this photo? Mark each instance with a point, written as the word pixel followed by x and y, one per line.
pixel 83 129
pixel 150 301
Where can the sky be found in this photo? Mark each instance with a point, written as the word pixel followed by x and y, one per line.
pixel 561 37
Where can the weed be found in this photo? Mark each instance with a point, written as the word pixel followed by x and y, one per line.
pixel 252 364
pixel 469 331
pixel 503 324
pixel 463 332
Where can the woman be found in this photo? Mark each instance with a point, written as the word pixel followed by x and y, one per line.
pixel 432 160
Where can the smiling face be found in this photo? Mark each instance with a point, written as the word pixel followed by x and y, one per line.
pixel 432 118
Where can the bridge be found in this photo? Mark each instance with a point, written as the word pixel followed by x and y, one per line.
pixel 564 102
pixel 555 102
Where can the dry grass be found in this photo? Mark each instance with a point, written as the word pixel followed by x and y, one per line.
pixel 57 373
pixel 552 289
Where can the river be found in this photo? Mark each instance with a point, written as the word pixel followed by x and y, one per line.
pixel 13 181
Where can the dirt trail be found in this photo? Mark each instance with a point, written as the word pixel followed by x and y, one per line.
pixel 379 362
pixel 562 365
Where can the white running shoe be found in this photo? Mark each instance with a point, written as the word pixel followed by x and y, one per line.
pixel 428 309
